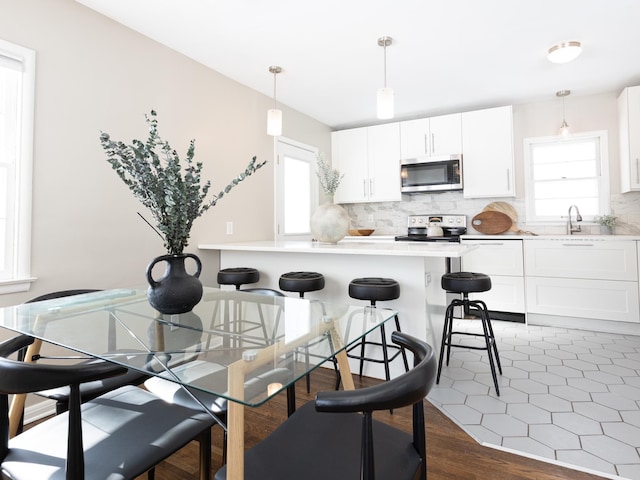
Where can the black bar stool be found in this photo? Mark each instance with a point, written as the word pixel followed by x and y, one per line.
pixel 466 283
pixel 375 289
pixel 238 276
pixel 301 282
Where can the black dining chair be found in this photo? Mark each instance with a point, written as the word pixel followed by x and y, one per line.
pixel 88 390
pixel 336 436
pixel 118 435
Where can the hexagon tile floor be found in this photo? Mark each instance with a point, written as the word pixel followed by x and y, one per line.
pixel 570 397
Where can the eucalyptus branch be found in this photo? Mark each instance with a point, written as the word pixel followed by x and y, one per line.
pixel 170 188
pixel 329 178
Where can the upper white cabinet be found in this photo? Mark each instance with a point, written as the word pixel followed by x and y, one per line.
pixel 487 147
pixel 629 128
pixel 369 158
pixel 433 136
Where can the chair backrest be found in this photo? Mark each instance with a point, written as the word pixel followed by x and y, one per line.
pixel 407 389
pixel 17 377
pixel 404 390
pixel 60 294
pixel 264 291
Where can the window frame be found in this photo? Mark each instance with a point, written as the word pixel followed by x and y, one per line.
pixel 17 277
pixel 602 178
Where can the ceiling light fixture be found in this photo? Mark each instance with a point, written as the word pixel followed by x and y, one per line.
pixel 274 116
pixel 564 126
pixel 564 52
pixel 385 95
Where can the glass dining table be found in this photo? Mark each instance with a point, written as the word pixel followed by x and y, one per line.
pixel 243 347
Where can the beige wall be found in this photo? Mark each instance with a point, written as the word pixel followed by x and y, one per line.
pixel 583 114
pixel 94 74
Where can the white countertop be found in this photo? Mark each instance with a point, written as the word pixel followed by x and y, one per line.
pixel 349 247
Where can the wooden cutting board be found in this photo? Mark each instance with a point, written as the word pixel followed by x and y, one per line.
pixel 505 208
pixel 491 222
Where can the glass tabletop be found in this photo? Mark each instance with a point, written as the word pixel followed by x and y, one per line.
pixel 241 346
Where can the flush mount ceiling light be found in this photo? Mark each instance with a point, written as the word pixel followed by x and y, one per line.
pixel 274 116
pixel 385 95
pixel 564 52
pixel 564 126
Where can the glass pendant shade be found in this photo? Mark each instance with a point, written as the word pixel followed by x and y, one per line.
pixel 274 122
pixel 564 126
pixel 385 103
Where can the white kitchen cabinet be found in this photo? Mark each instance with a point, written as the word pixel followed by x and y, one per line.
pixel 575 257
pixel 629 131
pixel 349 155
pixel 583 278
pixel 503 261
pixel 433 136
pixel 369 158
pixel 487 153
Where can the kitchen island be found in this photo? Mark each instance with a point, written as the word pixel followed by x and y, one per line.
pixel 417 266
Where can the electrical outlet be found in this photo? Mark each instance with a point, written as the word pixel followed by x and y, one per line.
pixel 229 228
pixel 370 219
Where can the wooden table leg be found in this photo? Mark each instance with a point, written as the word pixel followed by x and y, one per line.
pixel 17 403
pixel 235 424
pixel 345 370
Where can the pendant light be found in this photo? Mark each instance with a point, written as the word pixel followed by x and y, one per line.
pixel 564 126
pixel 385 94
pixel 274 116
pixel 564 52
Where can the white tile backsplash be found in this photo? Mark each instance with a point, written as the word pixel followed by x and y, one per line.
pixel 390 218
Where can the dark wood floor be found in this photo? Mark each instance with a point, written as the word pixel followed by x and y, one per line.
pixel 451 453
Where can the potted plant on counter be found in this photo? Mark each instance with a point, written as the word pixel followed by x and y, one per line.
pixel 329 222
pixel 173 193
pixel 607 222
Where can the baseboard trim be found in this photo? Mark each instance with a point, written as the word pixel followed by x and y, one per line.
pixel 39 410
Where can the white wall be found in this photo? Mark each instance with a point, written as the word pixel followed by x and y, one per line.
pixel 94 74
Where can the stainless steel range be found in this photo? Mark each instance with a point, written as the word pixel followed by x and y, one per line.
pixel 419 227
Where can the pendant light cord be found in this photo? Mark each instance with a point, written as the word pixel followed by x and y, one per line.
pixel 385 64
pixel 275 76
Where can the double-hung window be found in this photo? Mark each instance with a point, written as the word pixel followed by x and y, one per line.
pixel 560 172
pixel 17 75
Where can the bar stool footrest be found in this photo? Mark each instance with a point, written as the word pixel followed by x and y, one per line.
pixel 492 341
pixel 392 357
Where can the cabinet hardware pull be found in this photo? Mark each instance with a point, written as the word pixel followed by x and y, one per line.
pixel 426 144
pixel 508 180
pixel 433 142
pixel 371 187
pixel 577 244
pixel 637 170
pixel 364 187
pixel 485 243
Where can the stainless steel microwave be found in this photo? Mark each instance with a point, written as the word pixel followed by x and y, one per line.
pixel 431 174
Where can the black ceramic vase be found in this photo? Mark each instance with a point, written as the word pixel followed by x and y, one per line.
pixel 176 291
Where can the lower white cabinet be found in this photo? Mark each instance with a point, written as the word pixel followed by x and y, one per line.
pixel 576 297
pixel 583 278
pixel 502 260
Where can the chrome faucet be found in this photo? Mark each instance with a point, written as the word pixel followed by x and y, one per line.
pixel 570 229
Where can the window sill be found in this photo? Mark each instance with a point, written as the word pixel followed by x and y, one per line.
pixel 16 285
